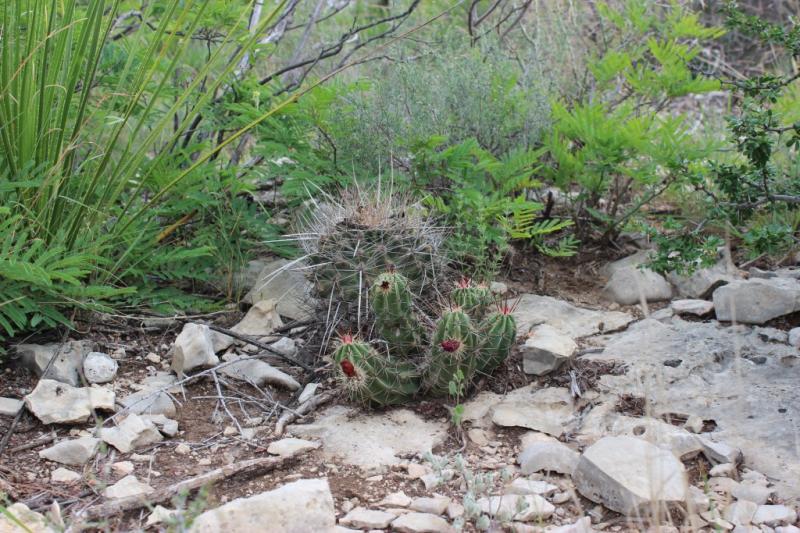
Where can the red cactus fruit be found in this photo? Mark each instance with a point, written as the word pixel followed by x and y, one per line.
pixel 346 339
pixel 450 345
pixel 348 368
pixel 464 283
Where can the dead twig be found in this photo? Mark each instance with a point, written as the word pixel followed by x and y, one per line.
pixel 309 405
pixel 47 439
pixel 259 344
pixel 262 464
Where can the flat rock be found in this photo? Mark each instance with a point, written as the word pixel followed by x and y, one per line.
pixel 794 337
pixel 64 475
pixel 74 452
pixel 421 523
pixel 34 522
pixel 584 525
pixel 257 372
pixel 546 349
pixel 10 406
pixel 548 457
pixel 261 320
pixel 193 348
pixel 434 505
pixel 774 515
pixel 702 282
pixel 133 432
pixel 99 367
pixel 289 447
pixel 127 487
pixel 54 402
pixel 517 507
pixel 284 282
pixel 752 491
pixel 692 307
pixel 303 506
pixel 681 443
pixel 363 518
pixel 632 284
pixel 627 475
pixel 147 400
pixel 720 373
pixel 547 410
pixel 371 441
pixel 67 364
pixel 576 322
pixel 740 513
pixel 756 301
pixel 395 499
pixel 524 486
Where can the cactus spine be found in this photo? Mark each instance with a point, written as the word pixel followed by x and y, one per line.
pixel 498 332
pixel 473 299
pixel 395 321
pixel 452 349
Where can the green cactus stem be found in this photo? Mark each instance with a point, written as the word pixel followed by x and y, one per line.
pixel 473 299
pixel 497 332
pixel 395 320
pixel 452 349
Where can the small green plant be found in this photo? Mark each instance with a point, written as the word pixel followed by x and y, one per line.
pixel 444 361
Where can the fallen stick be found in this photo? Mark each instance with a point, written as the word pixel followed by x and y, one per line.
pixel 309 405
pixel 122 505
pixel 47 439
pixel 266 347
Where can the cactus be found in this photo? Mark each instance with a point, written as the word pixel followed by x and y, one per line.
pixel 371 378
pixel 395 321
pixel 473 299
pixel 452 348
pixel 498 331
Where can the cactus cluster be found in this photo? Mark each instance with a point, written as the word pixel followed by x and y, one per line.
pixel 407 358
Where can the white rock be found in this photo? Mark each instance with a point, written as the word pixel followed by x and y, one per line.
pixel 150 402
pixel 752 491
pixel 787 529
pixel 122 468
pixel 632 283
pixel 303 506
pixel 10 406
pixel 126 487
pixel 289 447
pixel 546 349
pixel 285 346
pixel 421 523
pixel 257 372
pixel 719 452
pixel 34 522
pixel 75 452
pixel 167 426
pixel 65 368
pixel 584 525
pixel 308 393
pixel 703 281
pixel 498 287
pixel 517 507
pixel 395 499
pixel 774 515
pixel 285 282
pixel 193 348
pixel 131 433
pixel 160 515
pixel 756 301
pixel 260 320
pixel 794 337
pixel 532 310
pixel 99 368
pixel 546 410
pixel 548 457
pixel 478 436
pixel 692 307
pixel 723 470
pixel 363 518
pixel 434 505
pixel 694 424
pixel 183 449
pixel 64 475
pixel 740 513
pixel 54 402
pixel 530 486
pixel 627 474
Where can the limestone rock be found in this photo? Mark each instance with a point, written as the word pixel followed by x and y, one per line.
pixel 260 320
pixel 286 346
pixel 395 499
pixel 167 426
pixel 524 486
pixel 548 457
pixel 584 525
pixel 160 515
pixel 532 310
pixel 194 348
pixel 127 487
pixel 64 475
pixel 774 515
pixel 740 513
pixel 627 474
pixel 692 307
pixel 702 282
pixel 289 447
pixel 258 372
pixel 421 523
pixel 633 283
pixel 99 368
pixel 54 402
pixel 65 368
pixel 756 301
pixel 545 350
pixel 546 410
pixel 147 400
pixel 794 337
pixel 752 491
pixel 10 406
pixel 132 433
pixel 122 468
pixel 75 452
pixel 34 522
pixel 516 507
pixel 434 505
pixel 303 506
pixel 363 518
pixel 284 282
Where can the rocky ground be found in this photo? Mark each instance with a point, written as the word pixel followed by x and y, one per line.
pixel 632 402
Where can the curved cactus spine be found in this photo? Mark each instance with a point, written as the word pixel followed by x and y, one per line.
pixel 395 320
pixel 452 349
pixel 498 332
pixel 474 299
pixel 369 377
